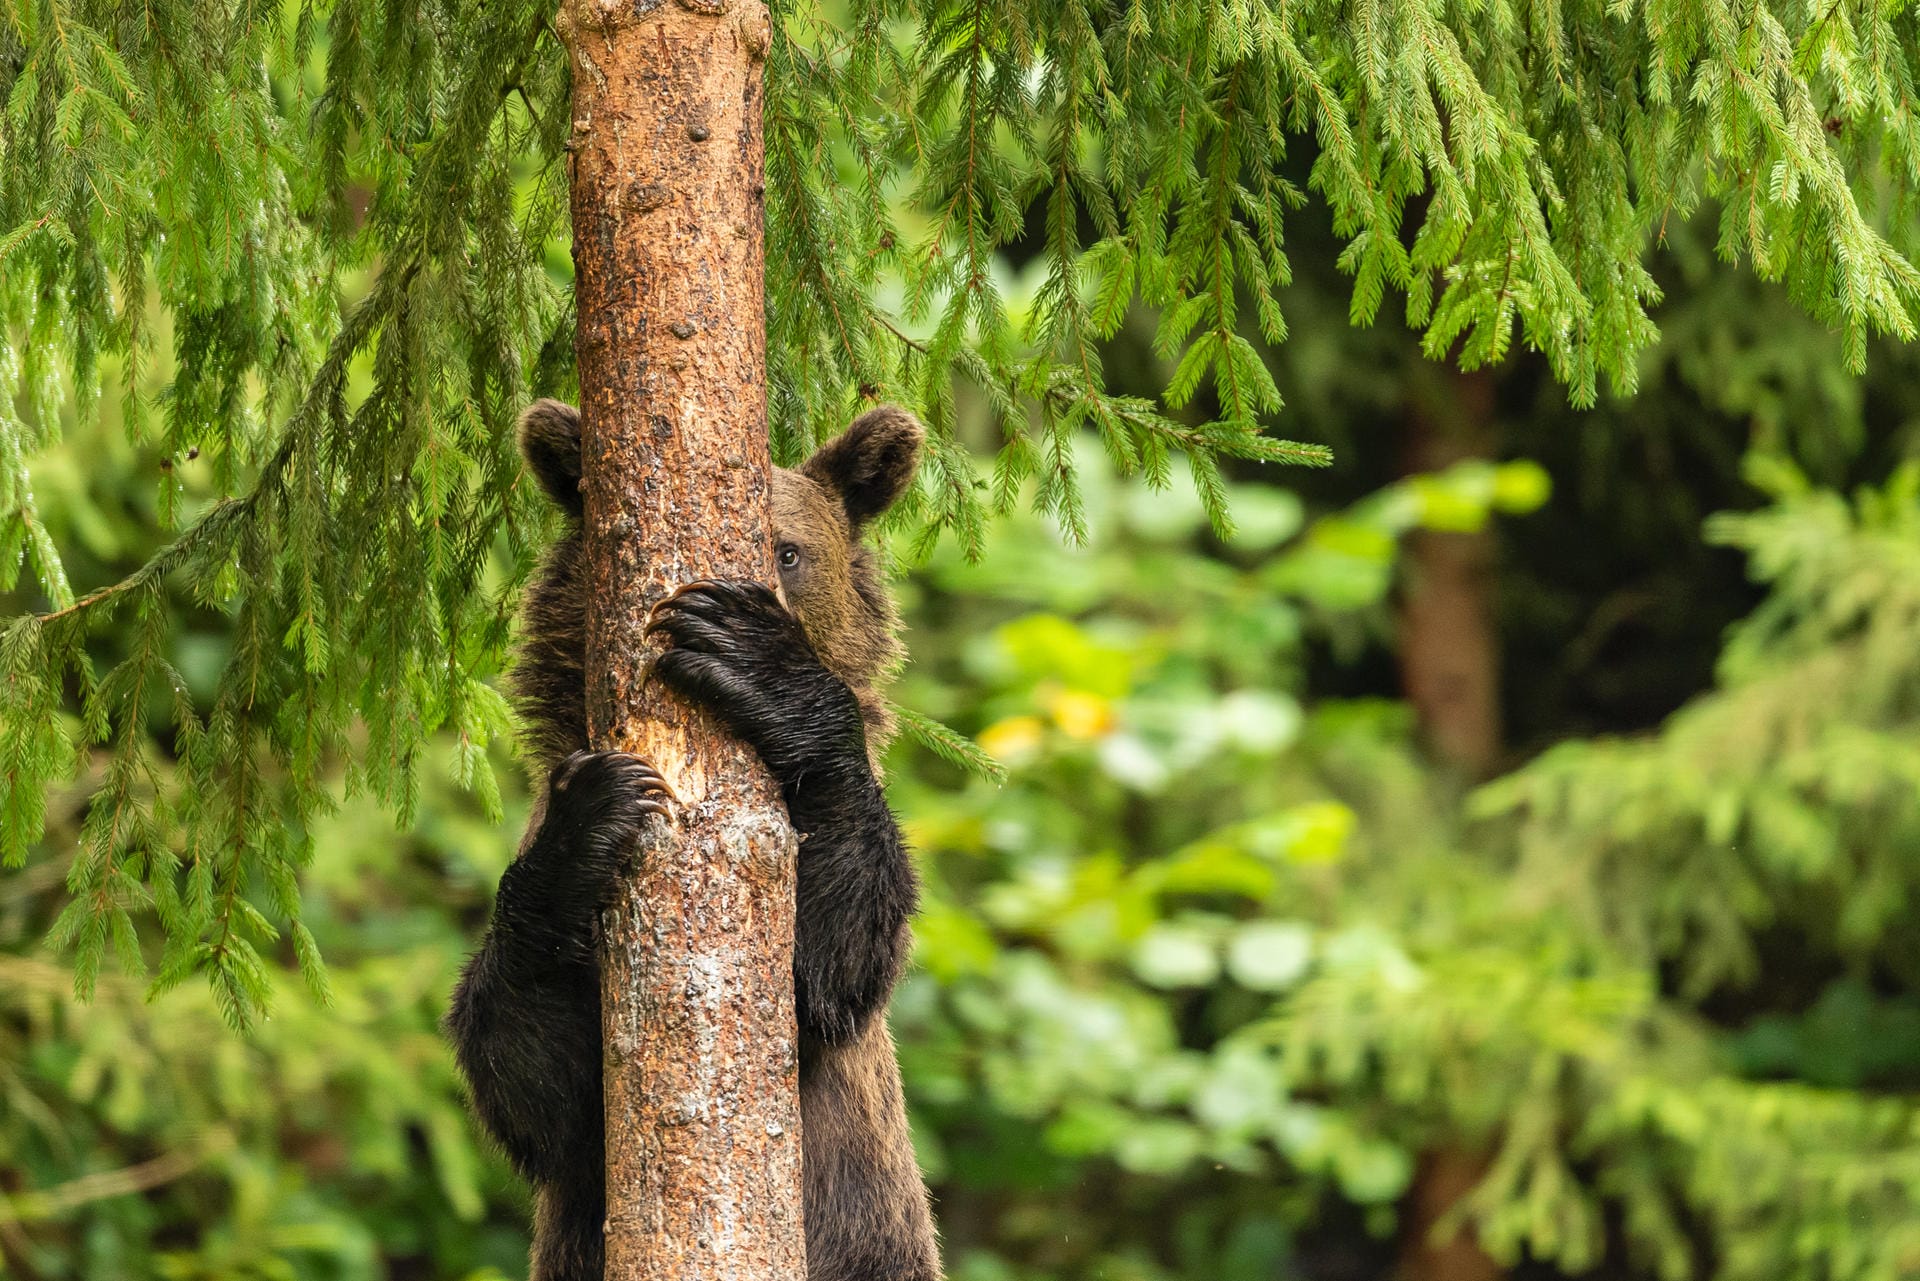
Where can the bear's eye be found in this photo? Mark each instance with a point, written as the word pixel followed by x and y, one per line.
pixel 789 555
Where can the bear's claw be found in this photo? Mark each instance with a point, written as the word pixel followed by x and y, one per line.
pixel 620 769
pixel 667 601
pixel 734 649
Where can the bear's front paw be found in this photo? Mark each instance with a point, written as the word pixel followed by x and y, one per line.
pixel 597 803
pixel 735 650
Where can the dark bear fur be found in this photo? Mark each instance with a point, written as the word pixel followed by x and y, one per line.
pixel 801 685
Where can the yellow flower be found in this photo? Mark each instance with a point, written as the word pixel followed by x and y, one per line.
pixel 1080 714
pixel 1014 739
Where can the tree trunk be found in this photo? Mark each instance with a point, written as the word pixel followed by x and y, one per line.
pixel 1449 641
pixel 1450 669
pixel 702 1089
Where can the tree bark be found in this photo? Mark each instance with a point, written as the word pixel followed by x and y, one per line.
pixel 702 1089
pixel 1450 669
pixel 1449 641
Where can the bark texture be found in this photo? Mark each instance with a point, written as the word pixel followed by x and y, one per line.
pixel 703 1118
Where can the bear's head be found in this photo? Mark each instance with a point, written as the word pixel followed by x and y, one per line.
pixel 821 510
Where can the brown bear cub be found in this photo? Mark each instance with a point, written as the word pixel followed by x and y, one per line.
pixel 799 682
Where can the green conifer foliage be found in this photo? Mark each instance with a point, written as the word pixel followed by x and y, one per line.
pixel 325 231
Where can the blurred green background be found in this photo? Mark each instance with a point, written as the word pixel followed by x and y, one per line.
pixel 1498 859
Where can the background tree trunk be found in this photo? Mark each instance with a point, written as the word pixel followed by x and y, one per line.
pixel 1450 669
pixel 703 1118
pixel 1449 638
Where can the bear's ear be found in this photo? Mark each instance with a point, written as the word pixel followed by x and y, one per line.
pixel 871 463
pixel 550 442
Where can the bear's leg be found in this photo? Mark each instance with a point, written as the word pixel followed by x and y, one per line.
pixel 739 653
pixel 860 1163
pixel 525 1020
pixel 568 1233
pixel 856 893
